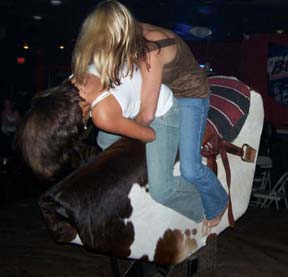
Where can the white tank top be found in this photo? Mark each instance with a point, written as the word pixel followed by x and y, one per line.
pixel 128 95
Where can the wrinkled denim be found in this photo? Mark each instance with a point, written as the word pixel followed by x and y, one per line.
pixel 193 122
pixel 172 191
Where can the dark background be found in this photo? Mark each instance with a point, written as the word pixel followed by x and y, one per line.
pixel 241 31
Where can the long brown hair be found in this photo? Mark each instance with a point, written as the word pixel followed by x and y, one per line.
pixel 110 38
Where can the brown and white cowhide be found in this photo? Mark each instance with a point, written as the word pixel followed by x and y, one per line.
pixel 106 207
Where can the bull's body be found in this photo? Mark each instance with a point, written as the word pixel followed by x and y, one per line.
pixel 105 205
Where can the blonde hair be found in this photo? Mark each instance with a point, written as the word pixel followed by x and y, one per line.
pixel 110 37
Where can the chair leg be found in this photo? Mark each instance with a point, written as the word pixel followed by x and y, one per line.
pixel 259 202
pixel 269 180
pixel 285 198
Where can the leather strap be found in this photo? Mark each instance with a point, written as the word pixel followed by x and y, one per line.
pixel 216 145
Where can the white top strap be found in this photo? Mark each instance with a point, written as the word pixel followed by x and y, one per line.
pixel 98 99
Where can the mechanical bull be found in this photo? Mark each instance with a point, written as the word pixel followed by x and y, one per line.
pixel 105 205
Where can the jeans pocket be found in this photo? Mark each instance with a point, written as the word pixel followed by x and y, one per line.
pixel 172 117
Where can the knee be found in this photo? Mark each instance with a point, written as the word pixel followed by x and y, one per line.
pixel 158 196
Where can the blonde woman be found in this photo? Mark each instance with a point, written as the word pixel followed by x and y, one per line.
pixel 54 121
pixel 111 38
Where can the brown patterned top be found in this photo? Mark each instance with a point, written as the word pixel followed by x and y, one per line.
pixel 183 74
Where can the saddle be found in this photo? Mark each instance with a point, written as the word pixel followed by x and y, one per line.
pixel 229 107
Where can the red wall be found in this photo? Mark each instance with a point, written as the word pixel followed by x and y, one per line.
pixel 246 60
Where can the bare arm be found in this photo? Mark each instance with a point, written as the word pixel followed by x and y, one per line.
pixel 152 77
pixel 150 88
pixel 108 117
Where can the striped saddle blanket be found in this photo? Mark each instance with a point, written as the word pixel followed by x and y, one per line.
pixel 229 106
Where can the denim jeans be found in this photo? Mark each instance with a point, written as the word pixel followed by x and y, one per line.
pixel 193 122
pixel 104 140
pixel 172 191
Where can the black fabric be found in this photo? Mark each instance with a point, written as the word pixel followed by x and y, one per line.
pixel 93 200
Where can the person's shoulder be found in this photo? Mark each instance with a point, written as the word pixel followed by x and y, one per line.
pixel 106 108
pixel 155 33
pixel 106 114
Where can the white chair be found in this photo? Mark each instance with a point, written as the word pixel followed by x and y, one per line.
pixel 262 178
pixel 276 194
pixel 264 166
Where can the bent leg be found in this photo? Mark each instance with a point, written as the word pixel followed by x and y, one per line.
pixel 193 122
pixel 171 191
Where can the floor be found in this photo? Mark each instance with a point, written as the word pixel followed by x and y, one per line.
pixel 257 246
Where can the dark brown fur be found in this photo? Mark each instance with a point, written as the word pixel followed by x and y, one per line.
pixel 94 199
pixel 49 132
pixel 174 247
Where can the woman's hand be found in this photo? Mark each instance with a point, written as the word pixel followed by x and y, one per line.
pixel 107 116
pixel 148 134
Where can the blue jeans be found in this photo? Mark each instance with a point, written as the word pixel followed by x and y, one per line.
pixel 174 192
pixel 193 122
pixel 104 140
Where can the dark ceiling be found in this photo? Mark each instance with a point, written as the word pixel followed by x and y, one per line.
pixel 228 19
pixel 45 64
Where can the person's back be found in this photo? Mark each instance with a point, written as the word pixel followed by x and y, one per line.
pixel 128 94
pixel 182 73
